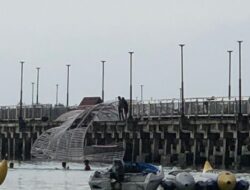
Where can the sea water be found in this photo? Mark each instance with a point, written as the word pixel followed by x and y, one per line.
pixel 51 175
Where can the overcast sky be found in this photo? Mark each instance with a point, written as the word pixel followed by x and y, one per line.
pixel 53 33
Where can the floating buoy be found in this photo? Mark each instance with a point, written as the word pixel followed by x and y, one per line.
pixel 200 185
pixel 242 185
pixel 168 185
pixel 3 170
pixel 212 185
pixel 207 167
pixel 184 181
pixel 226 181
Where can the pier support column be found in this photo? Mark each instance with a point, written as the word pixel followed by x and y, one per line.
pixel 155 149
pixel 178 148
pixel 124 143
pixel 23 151
pixel 8 148
pixel 224 153
pixel 140 148
pixel 165 147
pixel 236 154
pixel 194 153
pixel 14 148
pixel 207 149
pixel 133 149
pixel 164 158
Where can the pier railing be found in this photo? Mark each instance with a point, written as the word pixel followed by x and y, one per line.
pixel 192 106
pixel 154 108
pixel 29 112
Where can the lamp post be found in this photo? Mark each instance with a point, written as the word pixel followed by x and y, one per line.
pixel 229 79
pixel 141 93
pixel 57 94
pixel 103 80
pixel 32 93
pixel 67 103
pixel 37 83
pixel 21 92
pixel 182 81
pixel 240 77
pixel 130 102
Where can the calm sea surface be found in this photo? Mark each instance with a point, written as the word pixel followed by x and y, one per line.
pixel 50 175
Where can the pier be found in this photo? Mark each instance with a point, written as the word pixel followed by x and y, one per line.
pixel 16 140
pixel 210 128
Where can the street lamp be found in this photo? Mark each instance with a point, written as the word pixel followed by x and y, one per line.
pixel 67 103
pixel 141 92
pixel 229 85
pixel 182 81
pixel 103 80
pixel 32 93
pixel 37 83
pixel 130 102
pixel 21 92
pixel 240 77
pixel 57 94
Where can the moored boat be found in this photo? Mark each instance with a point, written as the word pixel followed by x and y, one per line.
pixel 129 176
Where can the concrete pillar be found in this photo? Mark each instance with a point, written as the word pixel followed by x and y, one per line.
pixel 236 154
pixel 178 147
pixel 140 147
pixel 124 143
pixel 207 149
pixel 23 151
pixel 8 148
pixel 165 147
pixel 14 148
pixel 153 150
pixel 133 149
pixel 224 153
pixel 194 153
pixel 31 142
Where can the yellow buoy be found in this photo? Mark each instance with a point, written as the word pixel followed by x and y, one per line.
pixel 207 167
pixel 3 170
pixel 226 180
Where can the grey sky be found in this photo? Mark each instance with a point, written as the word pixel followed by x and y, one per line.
pixel 53 33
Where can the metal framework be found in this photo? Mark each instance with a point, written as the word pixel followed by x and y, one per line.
pixel 68 143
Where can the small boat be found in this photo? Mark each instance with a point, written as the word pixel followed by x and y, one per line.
pixel 128 176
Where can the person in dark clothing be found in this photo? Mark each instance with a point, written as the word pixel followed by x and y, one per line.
pixel 87 167
pixel 125 107
pixel 117 174
pixel 120 108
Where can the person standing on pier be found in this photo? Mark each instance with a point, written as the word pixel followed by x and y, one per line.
pixel 125 107
pixel 120 108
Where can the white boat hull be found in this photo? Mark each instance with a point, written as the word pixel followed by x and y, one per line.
pixel 132 181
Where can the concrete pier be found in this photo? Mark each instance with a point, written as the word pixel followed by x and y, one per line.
pixel 217 139
pixel 211 129
pixel 17 142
